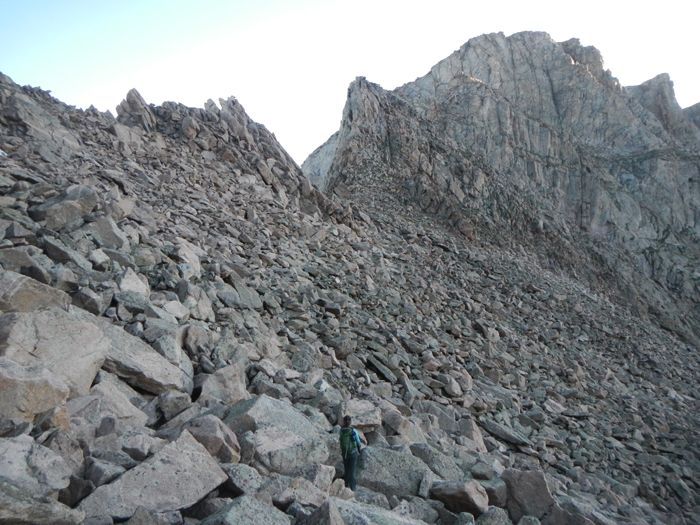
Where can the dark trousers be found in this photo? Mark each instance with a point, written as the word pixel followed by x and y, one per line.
pixel 350 464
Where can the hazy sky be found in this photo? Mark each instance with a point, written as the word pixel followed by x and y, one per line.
pixel 289 62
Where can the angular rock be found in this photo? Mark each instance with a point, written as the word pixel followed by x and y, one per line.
pixel 32 467
pixel 263 412
pixel 288 453
pixel 176 477
pixel 529 495
pixel 108 233
pixel 64 445
pixel 390 472
pixel 326 514
pixel 116 403
pixel 506 434
pixel 242 479
pixel 136 362
pixel 496 490
pixel 73 349
pixel 99 472
pixel 354 513
pixel 439 463
pixel 172 402
pixel 365 415
pixel 22 506
pixel 216 437
pixel 23 294
pixel 28 391
pixel 227 384
pixel 459 496
pixel 247 511
pixel 494 516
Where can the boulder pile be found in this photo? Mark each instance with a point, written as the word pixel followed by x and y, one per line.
pixel 185 318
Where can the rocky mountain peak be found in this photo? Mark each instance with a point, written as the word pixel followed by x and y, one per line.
pixel 494 292
pixel 527 135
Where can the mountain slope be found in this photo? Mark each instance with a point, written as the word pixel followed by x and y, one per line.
pixel 185 319
pixel 532 141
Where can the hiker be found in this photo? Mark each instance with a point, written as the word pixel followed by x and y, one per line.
pixel 350 449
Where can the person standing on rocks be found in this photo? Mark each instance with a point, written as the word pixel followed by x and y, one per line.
pixel 350 449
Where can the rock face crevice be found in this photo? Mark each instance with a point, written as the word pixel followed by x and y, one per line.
pixel 526 136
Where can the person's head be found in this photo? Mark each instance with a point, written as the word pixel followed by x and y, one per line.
pixel 347 420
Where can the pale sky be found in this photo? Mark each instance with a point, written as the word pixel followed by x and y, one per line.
pixel 289 63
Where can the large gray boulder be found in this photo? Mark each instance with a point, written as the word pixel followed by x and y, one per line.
pixel 263 412
pixel 32 467
pixel 442 465
pixel 73 349
pixel 217 438
pixel 246 510
pixel 288 453
pixel 286 440
pixel 529 495
pixel 177 477
pixel 227 384
pixel 326 514
pixel 22 506
pixel 137 363
pixel 23 294
pixel 390 472
pixel 461 496
pixel 116 403
pixel 26 391
pixel 355 513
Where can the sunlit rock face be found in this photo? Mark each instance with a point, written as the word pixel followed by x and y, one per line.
pixel 535 140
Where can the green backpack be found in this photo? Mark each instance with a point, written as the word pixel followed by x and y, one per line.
pixel 347 441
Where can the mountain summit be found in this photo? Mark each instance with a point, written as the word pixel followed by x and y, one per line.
pixel 533 142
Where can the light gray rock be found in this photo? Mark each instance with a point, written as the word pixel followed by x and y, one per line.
pixel 496 490
pixel 504 433
pixel 66 446
pixel 137 363
pixel 439 463
pixel 354 513
pixel 109 234
pixel 247 511
pixel 28 391
pixel 216 437
pixel 23 506
pixel 129 281
pixel 529 495
pixel 390 472
pixel 21 260
pixel 61 253
pixel 326 514
pixel 461 496
pixel 32 467
pixel 172 402
pixel 100 472
pixel 227 384
pixel 116 403
pixel 73 349
pixel 365 415
pixel 287 452
pixel 242 479
pixel 494 516
pixel 263 412
pixel 176 477
pixel 23 294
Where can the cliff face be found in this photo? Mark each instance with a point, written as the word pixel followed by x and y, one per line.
pixel 536 141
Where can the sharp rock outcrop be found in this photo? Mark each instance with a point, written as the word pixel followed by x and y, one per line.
pixel 534 143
